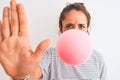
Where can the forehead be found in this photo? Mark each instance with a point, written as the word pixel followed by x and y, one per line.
pixel 75 16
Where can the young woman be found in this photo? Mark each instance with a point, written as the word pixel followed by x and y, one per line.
pixel 21 63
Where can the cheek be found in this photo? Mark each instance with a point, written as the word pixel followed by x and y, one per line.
pixel 85 30
pixel 63 29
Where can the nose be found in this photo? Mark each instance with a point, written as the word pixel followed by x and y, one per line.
pixel 76 26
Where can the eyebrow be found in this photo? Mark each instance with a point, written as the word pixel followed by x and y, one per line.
pixel 69 24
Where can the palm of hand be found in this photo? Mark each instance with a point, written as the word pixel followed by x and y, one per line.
pixel 16 55
pixel 15 52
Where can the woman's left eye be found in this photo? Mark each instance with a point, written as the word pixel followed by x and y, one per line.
pixel 81 26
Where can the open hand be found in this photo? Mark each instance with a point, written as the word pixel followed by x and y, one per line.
pixel 16 55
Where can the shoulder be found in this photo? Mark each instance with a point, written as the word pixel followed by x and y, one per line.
pixel 100 61
pixel 97 55
pixel 97 58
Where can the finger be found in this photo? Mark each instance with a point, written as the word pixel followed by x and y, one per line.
pixel 14 18
pixel 0 31
pixel 22 20
pixel 5 24
pixel 41 48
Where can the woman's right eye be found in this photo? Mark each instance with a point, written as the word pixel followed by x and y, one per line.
pixel 69 26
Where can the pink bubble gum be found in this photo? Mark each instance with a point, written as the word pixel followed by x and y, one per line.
pixel 74 47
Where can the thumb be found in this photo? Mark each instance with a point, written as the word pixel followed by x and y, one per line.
pixel 41 48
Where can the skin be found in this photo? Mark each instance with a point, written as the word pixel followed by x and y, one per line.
pixel 15 48
pixel 76 21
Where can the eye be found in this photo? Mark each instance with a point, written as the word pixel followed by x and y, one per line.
pixel 81 26
pixel 69 26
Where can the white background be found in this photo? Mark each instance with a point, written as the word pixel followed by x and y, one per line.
pixel 43 18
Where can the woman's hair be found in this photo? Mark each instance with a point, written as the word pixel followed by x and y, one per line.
pixel 74 6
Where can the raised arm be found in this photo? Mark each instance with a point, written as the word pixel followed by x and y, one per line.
pixel 16 55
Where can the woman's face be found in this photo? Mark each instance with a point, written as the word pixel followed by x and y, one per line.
pixel 75 20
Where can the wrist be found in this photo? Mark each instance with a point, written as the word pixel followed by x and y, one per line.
pixel 34 75
pixel 22 78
